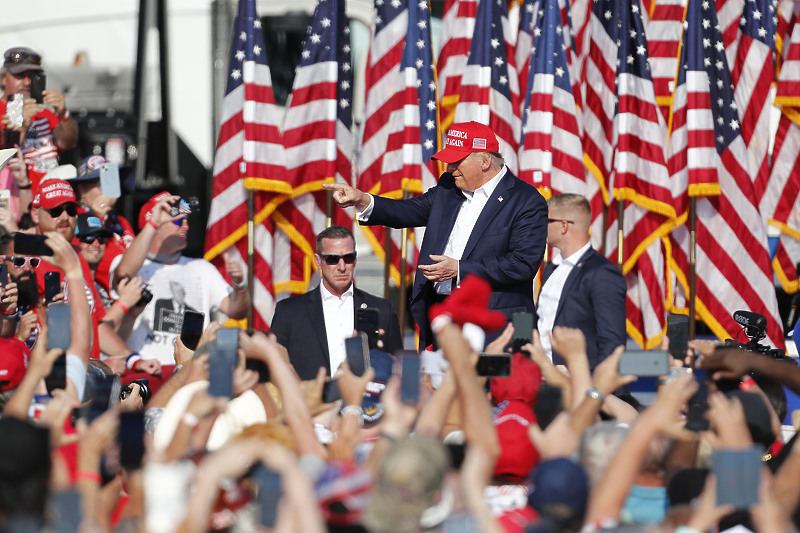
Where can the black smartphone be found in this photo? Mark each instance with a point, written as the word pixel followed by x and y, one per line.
pixel 696 409
pixel 260 367
pixel 3 274
pixel 330 391
pixel 357 353
pixel 57 379
pixel 192 328
pixel 494 365
pixel 220 372
pixel 52 286
pixel 409 377
pixel 131 439
pixel 523 330
pixel 102 392
pixel 678 334
pixel 58 326
pixel 38 85
pixel 644 363
pixel 269 493
pixel 368 320
pixel 26 244
pixel 738 474
pixel 548 404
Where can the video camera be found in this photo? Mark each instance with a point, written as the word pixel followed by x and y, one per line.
pixel 755 327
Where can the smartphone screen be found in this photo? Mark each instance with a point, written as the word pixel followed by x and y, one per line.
pixel 38 85
pixel 25 244
pixel 697 407
pixel 523 330
pixel 493 365
pixel 58 326
pixel 101 393
pixel 331 392
pixel 57 379
pixel 678 334
pixel 269 493
pixel 409 378
pixel 220 372
pixel 192 328
pixel 131 439
pixel 3 274
pixel 738 474
pixel 357 354
pixel 644 363
pixel 52 286
pixel 368 320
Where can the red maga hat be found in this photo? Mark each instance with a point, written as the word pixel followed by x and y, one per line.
pixel 465 138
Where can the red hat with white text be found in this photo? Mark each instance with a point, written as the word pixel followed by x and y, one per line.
pixel 466 138
pixel 54 192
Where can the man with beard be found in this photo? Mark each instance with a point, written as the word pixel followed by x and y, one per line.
pixel 21 273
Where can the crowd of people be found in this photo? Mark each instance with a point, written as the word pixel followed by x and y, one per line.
pixel 116 416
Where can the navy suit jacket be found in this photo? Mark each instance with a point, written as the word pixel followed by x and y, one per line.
pixel 505 247
pixel 593 301
pixel 299 325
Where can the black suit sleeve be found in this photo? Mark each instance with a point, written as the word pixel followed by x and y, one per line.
pixel 393 338
pixel 608 299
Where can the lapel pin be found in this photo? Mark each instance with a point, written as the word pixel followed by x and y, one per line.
pixel 363 305
pixel 499 198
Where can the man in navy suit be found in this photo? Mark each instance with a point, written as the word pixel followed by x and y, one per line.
pixel 480 219
pixel 581 288
pixel 313 326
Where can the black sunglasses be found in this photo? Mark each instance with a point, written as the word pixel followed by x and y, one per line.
pixel 550 220
pixel 19 261
pixel 333 259
pixel 70 208
pixel 89 239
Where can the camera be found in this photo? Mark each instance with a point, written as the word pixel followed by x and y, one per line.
pixel 184 206
pixel 755 327
pixel 144 390
pixel 146 296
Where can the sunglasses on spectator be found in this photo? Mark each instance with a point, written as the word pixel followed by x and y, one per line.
pixel 333 259
pixel 70 208
pixel 89 239
pixel 20 261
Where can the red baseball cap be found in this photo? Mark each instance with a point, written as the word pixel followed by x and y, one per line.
pixel 465 138
pixel 147 209
pixel 517 454
pixel 54 192
pixel 13 363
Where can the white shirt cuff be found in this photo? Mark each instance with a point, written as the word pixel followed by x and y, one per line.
pixel 363 216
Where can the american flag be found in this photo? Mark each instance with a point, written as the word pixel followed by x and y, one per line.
pixel 551 157
pixel 664 25
pixel 780 204
pixel 458 25
pixel 752 73
pixel 317 134
pixel 249 151
pixel 708 160
pixel 528 14
pixel 400 132
pixel 489 91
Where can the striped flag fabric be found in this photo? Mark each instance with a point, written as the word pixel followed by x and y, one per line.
pixel 551 156
pixel 528 14
pixel 708 160
pixel 401 126
pixel 249 154
pixel 458 26
pixel 317 134
pixel 489 91
pixel 780 204
pixel 664 25
pixel 752 73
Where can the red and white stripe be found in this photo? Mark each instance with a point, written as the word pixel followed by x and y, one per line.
pixel 458 25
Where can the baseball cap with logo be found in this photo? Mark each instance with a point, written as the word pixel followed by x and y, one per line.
pixel 13 363
pixel 21 59
pixel 466 138
pixel 88 224
pixel 54 192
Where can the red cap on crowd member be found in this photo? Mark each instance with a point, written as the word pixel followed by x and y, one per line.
pixel 147 209
pixel 523 383
pixel 517 454
pixel 54 192
pixel 465 138
pixel 469 304
pixel 13 362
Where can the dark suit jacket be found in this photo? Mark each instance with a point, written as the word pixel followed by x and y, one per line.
pixel 593 301
pixel 505 248
pixel 299 326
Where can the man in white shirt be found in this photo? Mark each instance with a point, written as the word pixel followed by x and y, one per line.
pixel 581 288
pixel 313 326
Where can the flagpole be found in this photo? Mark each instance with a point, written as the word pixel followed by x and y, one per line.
pixel 387 263
pixel 692 265
pixel 401 299
pixel 250 256
pixel 620 232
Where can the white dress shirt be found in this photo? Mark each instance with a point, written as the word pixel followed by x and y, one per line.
pixel 547 304
pixel 338 313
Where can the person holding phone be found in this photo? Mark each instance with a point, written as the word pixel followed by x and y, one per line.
pixel 55 130
pixel 313 326
pixel 580 288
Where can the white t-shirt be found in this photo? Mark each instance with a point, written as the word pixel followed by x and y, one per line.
pixel 188 284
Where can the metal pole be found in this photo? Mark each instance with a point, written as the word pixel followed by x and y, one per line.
pixel 146 13
pixel 387 263
pixel 692 265
pixel 620 232
pixel 250 256
pixel 166 108
pixel 401 297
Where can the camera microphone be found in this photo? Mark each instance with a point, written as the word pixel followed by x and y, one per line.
pixel 790 320
pixel 750 319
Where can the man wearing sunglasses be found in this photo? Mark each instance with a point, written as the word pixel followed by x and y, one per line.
pixel 313 326
pixel 47 129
